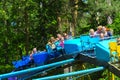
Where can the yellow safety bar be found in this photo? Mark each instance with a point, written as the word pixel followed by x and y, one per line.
pixel 118 51
pixel 113 48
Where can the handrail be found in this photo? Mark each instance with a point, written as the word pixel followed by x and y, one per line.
pixel 81 72
pixel 37 73
pixel 30 70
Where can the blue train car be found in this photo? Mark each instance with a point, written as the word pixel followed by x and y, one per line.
pixel 80 44
pixel 83 43
pixel 72 45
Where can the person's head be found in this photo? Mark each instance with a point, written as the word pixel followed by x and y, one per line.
pixel 31 52
pixel 99 29
pixel 59 36
pixel 65 35
pixel 52 39
pixel 62 39
pixel 91 31
pixel 101 35
pixel 34 50
pixel 104 28
pixel 57 39
pixel 110 31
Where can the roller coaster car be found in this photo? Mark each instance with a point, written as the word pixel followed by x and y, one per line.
pixel 39 58
pixel 78 49
pixel 100 50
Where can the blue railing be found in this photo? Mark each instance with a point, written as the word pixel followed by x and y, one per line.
pixel 30 70
pixel 81 72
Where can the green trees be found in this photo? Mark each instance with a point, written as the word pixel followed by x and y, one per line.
pixel 116 24
pixel 25 24
pixel 96 12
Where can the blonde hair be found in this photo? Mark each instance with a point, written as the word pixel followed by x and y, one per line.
pixel 52 39
pixel 91 30
pixel 99 27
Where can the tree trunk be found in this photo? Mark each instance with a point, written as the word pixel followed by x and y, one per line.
pixel 74 4
pixel 5 44
pixel 59 24
pixel 26 31
pixel 109 18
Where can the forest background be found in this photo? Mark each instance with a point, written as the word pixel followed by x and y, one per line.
pixel 25 24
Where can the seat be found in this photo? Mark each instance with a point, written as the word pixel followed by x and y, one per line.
pixel 48 48
pixel 40 58
pixel 113 48
pixel 85 42
pixel 94 41
pixel 85 38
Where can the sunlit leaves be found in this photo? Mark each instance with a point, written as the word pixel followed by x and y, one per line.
pixel 116 24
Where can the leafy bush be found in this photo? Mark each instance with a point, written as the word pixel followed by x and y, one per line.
pixel 116 24
pixel 5 68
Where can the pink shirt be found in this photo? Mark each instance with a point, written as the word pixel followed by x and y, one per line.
pixel 62 44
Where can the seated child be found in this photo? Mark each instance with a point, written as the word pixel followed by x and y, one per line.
pixel 50 47
pixel 62 42
pixel 99 30
pixel 104 31
pixel 92 33
pixel 102 36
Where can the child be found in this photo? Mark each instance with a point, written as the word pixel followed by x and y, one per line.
pixel 102 36
pixel 62 42
pixel 92 33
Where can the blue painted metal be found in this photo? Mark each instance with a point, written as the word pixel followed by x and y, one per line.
pixel 21 63
pixel 80 44
pixel 49 49
pixel 72 45
pixel 75 78
pixel 72 74
pixel 102 50
pixel 102 53
pixel 40 58
pixel 37 73
pixel 85 38
pixel 22 72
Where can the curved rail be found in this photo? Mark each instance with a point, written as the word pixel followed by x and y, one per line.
pixel 30 70
pixel 37 73
pixel 81 72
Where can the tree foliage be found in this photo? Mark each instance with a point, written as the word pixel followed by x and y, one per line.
pixel 116 24
pixel 25 24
